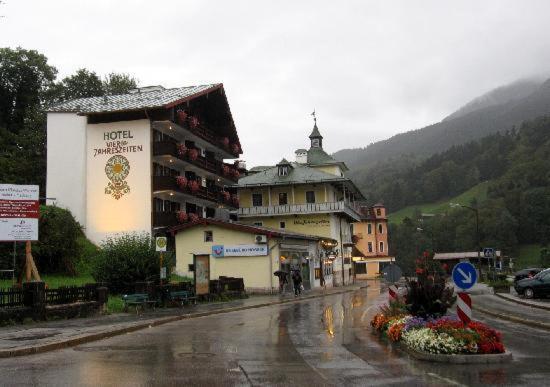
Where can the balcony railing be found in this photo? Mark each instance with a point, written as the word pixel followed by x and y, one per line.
pixel 162 148
pixel 310 208
pixel 164 219
pixel 169 183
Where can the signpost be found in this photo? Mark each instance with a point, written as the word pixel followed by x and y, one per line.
pixel 19 213
pixel 160 246
pixel 464 276
pixel 392 274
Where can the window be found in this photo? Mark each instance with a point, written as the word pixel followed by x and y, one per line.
pixel 208 236
pixel 370 247
pixel 283 199
pixel 310 196
pixel 360 268
pixel 369 228
pixel 257 200
pixel 282 225
pixel 380 228
pixel 381 249
pixel 283 170
pixel 259 224
pixel 378 212
pixel 190 267
pixel 317 273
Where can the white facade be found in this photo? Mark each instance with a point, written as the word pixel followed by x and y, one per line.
pixel 108 213
pixel 66 160
pixel 101 173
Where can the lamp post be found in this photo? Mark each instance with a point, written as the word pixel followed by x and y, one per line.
pixel 454 205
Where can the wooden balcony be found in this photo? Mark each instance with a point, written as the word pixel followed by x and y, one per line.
pixel 302 209
pixel 169 148
pixel 168 183
pixel 164 219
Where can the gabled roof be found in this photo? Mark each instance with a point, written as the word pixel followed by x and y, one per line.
pixel 270 232
pixel 149 98
pixel 317 156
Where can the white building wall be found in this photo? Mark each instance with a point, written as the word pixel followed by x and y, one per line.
pixel 131 210
pixel 66 163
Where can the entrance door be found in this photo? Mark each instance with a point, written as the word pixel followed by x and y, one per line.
pixel 202 274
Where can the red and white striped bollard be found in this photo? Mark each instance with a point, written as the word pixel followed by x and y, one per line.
pixel 464 307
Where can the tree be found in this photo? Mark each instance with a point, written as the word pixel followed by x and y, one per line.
pixel 25 78
pixel 82 84
pixel 118 83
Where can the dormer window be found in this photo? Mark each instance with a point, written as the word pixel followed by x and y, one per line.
pixel 283 170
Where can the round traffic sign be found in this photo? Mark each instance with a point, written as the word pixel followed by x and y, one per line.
pixel 464 275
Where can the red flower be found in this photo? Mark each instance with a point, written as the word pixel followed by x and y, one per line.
pixel 182 149
pixel 193 217
pixel 181 181
pixel 419 270
pixel 226 170
pixel 194 186
pixel 193 154
pixel 182 116
pixel 181 216
pixel 235 200
pixel 226 196
pixel 194 122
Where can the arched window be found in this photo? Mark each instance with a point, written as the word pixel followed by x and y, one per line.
pixel 380 228
pixel 381 249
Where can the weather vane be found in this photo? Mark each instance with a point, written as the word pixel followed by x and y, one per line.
pixel 314 116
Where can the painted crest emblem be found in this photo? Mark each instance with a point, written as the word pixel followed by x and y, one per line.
pixel 117 169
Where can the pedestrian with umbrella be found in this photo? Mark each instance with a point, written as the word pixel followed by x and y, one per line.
pixel 282 275
pixel 297 282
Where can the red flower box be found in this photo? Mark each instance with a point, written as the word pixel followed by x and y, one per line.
pixel 182 216
pixel 193 154
pixel 181 181
pixel 182 149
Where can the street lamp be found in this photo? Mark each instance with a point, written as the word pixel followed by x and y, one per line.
pixel 454 205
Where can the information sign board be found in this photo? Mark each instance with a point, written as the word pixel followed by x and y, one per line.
pixel 19 212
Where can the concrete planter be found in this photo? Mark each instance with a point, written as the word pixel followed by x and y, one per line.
pixel 460 358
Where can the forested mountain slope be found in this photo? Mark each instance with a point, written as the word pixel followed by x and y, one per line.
pixel 508 107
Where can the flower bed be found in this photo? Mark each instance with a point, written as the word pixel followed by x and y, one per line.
pixel 440 336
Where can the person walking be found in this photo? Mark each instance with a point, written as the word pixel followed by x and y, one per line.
pixel 282 280
pixel 297 282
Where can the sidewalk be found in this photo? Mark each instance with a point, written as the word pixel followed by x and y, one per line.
pixel 508 309
pixel 51 335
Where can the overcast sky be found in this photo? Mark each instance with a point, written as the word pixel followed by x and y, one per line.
pixel 371 69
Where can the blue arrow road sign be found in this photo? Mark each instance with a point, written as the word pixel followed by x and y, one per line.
pixel 464 275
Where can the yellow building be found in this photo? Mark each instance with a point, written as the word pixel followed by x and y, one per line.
pixel 370 253
pixel 236 250
pixel 310 196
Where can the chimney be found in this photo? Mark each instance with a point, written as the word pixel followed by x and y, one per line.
pixel 301 156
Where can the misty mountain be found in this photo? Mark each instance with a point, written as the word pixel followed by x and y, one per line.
pixel 498 110
pixel 501 95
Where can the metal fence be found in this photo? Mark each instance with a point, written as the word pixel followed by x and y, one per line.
pixel 11 297
pixel 70 294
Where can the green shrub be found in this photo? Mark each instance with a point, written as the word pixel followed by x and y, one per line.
pixel 126 259
pixel 57 250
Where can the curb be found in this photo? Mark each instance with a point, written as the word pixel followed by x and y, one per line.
pixel 87 338
pixel 521 302
pixel 503 316
pixel 459 359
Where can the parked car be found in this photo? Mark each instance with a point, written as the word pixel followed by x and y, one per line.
pixel 537 286
pixel 526 273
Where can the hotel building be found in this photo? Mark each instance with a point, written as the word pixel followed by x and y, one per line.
pixel 143 161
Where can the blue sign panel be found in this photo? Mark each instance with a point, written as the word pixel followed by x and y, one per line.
pixel 464 275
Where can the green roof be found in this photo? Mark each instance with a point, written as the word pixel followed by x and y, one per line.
pixel 315 133
pixel 298 174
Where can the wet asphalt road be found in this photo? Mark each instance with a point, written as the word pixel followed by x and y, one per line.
pixel 323 341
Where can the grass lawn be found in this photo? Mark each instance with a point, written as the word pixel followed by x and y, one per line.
pixel 57 280
pixel 479 192
pixel 528 256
